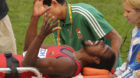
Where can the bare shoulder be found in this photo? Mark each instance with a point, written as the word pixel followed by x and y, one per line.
pixel 67 46
pixel 54 66
pixel 45 46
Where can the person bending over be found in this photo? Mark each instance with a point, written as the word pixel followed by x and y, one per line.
pixel 78 21
pixel 61 61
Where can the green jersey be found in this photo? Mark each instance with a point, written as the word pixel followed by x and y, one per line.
pixel 88 24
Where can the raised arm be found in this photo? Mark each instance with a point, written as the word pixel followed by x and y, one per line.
pixel 31 33
pixel 115 39
pixel 32 51
pixel 51 66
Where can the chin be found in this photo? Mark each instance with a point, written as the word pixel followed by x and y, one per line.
pixel 131 23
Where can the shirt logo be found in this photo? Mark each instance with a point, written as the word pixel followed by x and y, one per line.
pixel 138 56
pixel 79 34
pixel 42 53
pixel 52 53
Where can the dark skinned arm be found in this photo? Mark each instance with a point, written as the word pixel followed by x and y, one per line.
pixel 31 32
pixel 38 10
pixel 56 66
pixel 115 39
pixel 33 49
pixel 50 66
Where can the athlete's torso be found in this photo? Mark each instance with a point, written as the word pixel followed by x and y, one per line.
pixel 55 52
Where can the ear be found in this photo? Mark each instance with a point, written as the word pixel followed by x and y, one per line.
pixel 96 60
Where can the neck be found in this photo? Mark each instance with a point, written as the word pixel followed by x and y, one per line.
pixel 77 55
pixel 63 14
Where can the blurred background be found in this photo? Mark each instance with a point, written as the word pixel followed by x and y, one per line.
pixel 21 11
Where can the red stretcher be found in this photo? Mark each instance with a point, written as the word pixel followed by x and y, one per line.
pixel 22 70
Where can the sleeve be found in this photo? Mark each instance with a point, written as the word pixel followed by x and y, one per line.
pixel 121 69
pixel 134 63
pixel 125 72
pixel 96 23
pixel 135 57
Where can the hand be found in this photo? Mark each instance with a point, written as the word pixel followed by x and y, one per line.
pixel 38 8
pixel 47 26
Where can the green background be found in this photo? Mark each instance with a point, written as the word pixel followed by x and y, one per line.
pixel 21 11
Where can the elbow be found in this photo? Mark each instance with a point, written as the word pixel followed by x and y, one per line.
pixel 116 37
pixel 119 39
pixel 27 64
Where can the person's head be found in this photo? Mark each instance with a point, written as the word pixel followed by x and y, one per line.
pixel 57 7
pixel 132 11
pixel 48 2
pixel 99 55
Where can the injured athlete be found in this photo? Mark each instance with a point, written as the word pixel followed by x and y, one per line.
pixel 59 61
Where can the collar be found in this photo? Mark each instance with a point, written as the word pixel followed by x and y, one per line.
pixel 67 17
pixel 138 32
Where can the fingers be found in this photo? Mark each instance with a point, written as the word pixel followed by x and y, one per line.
pixel 96 42
pixel 51 26
pixel 49 23
pixel 46 10
pixel 55 23
pixel 46 18
pixel 39 9
pixel 56 28
pixel 41 0
pixel 36 1
pixel 51 20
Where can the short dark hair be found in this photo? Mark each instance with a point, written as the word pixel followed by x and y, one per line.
pixel 107 60
pixel 48 2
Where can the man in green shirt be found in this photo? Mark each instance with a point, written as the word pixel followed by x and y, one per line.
pixel 78 22
pixel 87 23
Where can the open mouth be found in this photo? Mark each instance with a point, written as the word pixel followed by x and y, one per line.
pixel 89 42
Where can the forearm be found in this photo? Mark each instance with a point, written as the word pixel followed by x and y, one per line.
pixel 32 52
pixel 31 32
pixel 116 44
pixel 115 39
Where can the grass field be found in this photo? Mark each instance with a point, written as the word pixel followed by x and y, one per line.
pixel 21 11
